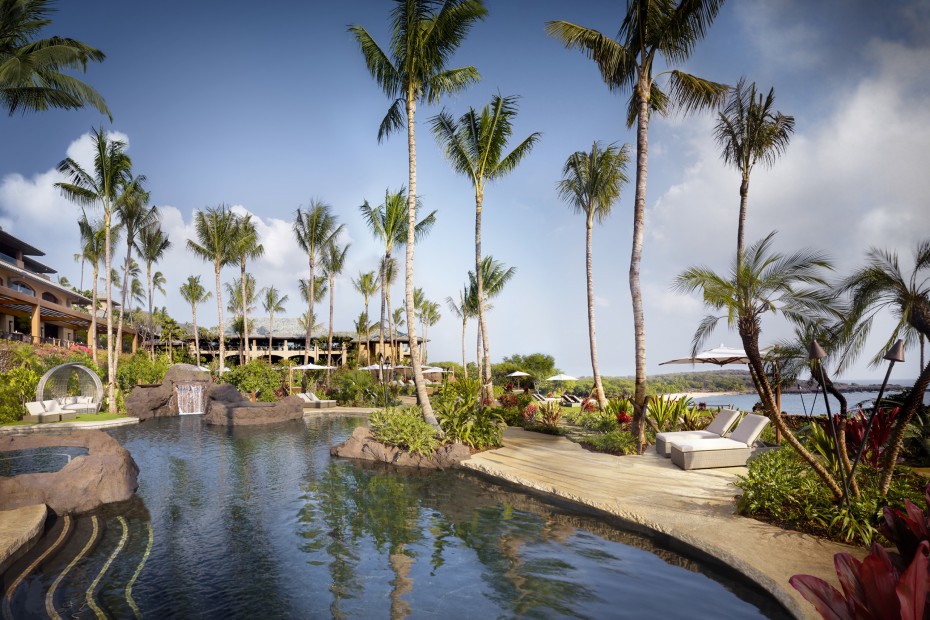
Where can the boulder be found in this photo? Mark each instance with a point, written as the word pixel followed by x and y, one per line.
pixel 363 445
pixel 225 406
pixel 106 474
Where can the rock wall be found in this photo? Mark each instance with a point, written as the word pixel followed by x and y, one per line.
pixel 363 445
pixel 106 474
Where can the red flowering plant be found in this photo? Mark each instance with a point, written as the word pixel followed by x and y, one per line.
pixel 588 405
pixel 529 412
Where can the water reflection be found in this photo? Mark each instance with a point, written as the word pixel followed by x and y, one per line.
pixel 255 522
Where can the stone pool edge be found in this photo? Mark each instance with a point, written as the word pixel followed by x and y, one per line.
pixel 66 426
pixel 690 515
pixel 20 529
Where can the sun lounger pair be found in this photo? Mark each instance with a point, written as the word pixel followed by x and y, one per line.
pixel 312 402
pixel 710 452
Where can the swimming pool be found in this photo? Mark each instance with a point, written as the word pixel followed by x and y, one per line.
pixel 263 523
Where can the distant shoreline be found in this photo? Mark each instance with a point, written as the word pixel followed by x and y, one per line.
pixel 843 389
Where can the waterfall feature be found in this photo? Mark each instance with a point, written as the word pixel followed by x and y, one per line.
pixel 190 398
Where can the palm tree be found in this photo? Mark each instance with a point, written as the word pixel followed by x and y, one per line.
pixel 462 310
pixel 152 244
pixel 495 277
pixel 388 224
pixel 273 303
pixel 30 70
pixel 314 228
pixel 749 131
pixel 763 281
pixel 109 184
pixel 650 28
pixel 194 293
pixel 398 320
pixel 241 306
pixel 475 148
pixel 366 285
pixel 134 215
pixel 215 229
pixel 429 316
pixel 247 247
pixel 92 249
pixel 591 184
pixel 319 290
pixel 881 285
pixel 424 36
pixel 334 261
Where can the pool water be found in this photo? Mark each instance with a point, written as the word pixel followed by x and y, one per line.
pixel 263 523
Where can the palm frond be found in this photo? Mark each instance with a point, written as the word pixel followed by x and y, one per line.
pixel 691 93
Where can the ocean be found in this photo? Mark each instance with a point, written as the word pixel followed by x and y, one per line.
pixel 797 404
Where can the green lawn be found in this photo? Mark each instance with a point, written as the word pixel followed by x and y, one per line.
pixel 84 417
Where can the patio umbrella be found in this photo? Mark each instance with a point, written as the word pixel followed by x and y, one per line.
pixel 311 366
pixel 562 377
pixel 519 373
pixel 720 356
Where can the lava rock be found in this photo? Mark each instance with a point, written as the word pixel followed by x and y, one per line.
pixel 363 445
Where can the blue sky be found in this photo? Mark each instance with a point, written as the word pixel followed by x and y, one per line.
pixel 268 105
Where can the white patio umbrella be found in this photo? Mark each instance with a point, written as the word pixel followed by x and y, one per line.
pixel 562 377
pixel 719 356
pixel 311 366
pixel 519 373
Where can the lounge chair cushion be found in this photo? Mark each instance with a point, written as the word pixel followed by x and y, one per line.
pixel 749 429
pixel 718 427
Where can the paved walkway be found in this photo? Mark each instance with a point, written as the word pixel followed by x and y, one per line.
pixel 695 507
pixel 20 528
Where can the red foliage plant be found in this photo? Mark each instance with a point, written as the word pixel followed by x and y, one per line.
pixel 529 413
pixel 588 405
pixel 508 401
pixel 878 436
pixel 624 418
pixel 906 530
pixel 877 587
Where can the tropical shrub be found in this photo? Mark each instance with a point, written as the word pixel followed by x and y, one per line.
pixel 906 530
pixel 882 425
pixel 462 418
pixel 598 421
pixel 550 415
pixel 140 368
pixel 18 385
pixel 613 442
pixel 780 487
pixel 666 412
pixel 693 419
pixel 404 428
pixel 588 405
pixel 255 377
pixel 530 412
pixel 357 388
pixel 508 400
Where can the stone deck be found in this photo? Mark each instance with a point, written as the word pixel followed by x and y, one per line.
pixel 649 492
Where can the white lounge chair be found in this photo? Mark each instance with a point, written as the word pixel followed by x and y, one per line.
pixel 719 427
pixel 729 452
pixel 312 402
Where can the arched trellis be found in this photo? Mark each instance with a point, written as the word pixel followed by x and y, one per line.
pixel 63 381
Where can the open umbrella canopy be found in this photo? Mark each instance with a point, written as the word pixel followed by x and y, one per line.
pixel 562 377
pixel 375 367
pixel 311 366
pixel 519 373
pixel 721 356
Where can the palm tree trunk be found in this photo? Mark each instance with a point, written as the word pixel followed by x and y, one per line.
pixel 219 312
pixel 92 330
pixel 270 332
pixel 842 448
pixel 422 397
pixel 741 232
pixel 196 334
pixel 312 285
pixel 381 324
pixel 479 361
pixel 589 268
pixel 487 388
pixel 122 307
pixel 111 366
pixel 245 308
pixel 914 400
pixel 367 339
pixel 639 223
pixel 148 278
pixel 749 334
pixel 464 365
pixel 329 349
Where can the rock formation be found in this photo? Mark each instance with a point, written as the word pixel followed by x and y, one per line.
pixel 363 445
pixel 155 401
pixel 225 406
pixel 106 474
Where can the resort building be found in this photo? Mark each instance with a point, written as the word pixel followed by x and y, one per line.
pixel 34 308
pixel 289 338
